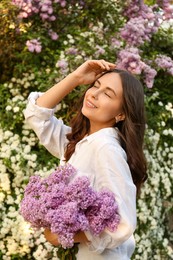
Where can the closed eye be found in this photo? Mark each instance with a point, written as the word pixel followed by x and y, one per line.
pixel 107 95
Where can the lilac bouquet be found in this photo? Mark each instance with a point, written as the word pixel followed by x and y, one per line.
pixel 67 205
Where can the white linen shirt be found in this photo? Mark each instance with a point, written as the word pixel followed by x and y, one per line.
pixel 101 158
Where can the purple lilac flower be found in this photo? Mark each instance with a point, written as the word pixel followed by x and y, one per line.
pixel 99 51
pixel 65 221
pixel 149 75
pixel 25 8
pixel 165 62
pixel 54 36
pixel 101 212
pixel 67 204
pixel 43 8
pixel 62 64
pixel 130 60
pixel 167 8
pixel 62 174
pixel 115 43
pixel 143 22
pixel 137 31
pixel 34 45
pixel 133 8
pixel 34 212
pixel 61 2
pixel 80 192
pixel 72 51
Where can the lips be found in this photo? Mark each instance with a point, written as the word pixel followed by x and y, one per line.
pixel 90 104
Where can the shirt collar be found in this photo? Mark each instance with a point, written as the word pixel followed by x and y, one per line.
pixel 109 131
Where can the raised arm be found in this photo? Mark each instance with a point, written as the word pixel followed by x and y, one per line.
pixel 85 74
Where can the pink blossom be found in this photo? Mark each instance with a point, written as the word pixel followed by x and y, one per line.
pixel 116 43
pixel 130 60
pixel 99 51
pixel 52 18
pixel 61 2
pixel 44 8
pixel 167 7
pixel 149 75
pixel 54 36
pixel 63 64
pixel 142 24
pixel 44 16
pixel 165 62
pixel 72 51
pixel 34 45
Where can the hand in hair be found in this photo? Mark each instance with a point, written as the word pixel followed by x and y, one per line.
pixel 90 70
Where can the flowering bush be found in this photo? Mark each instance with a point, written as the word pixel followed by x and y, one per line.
pixel 35 52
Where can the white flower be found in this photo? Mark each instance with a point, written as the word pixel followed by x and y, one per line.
pixel 4 182
pixel 65 42
pixel 72 41
pixel 160 104
pixel 13 79
pixel 163 123
pixel 10 85
pixel 16 109
pixel 27 84
pixel 27 149
pixel 2 197
pixel 8 108
pixel 58 107
pixel 32 76
pixel 7 134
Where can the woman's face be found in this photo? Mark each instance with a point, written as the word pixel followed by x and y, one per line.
pixel 103 102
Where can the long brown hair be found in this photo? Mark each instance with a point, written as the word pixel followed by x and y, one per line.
pixel 131 130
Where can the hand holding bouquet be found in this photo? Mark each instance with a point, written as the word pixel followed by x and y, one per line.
pixel 66 206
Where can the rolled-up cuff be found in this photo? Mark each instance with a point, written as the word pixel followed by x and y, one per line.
pixel 33 109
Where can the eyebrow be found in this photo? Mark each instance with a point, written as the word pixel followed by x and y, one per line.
pixel 106 87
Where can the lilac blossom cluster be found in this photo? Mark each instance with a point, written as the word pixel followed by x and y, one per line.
pixel 67 204
pixel 130 60
pixel 165 62
pixel 63 66
pixel 167 7
pixel 43 8
pixel 143 22
pixel 46 12
pixel 34 45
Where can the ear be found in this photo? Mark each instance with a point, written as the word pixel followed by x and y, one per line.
pixel 120 117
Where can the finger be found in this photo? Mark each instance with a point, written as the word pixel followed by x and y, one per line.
pixel 108 65
pixel 97 66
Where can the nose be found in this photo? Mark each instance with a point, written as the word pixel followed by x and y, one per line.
pixel 95 94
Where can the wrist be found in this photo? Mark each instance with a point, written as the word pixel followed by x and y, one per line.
pixel 76 78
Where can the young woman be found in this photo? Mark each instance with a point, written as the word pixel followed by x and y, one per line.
pixel 104 143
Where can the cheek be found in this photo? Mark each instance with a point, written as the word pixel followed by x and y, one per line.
pixel 111 110
pixel 89 92
pixel 86 95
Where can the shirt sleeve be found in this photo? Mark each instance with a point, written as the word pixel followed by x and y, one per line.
pixel 113 173
pixel 50 131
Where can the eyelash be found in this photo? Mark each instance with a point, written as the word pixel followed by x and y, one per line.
pixel 107 95
pixel 104 92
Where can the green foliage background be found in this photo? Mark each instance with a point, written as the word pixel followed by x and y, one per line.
pixel 21 154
